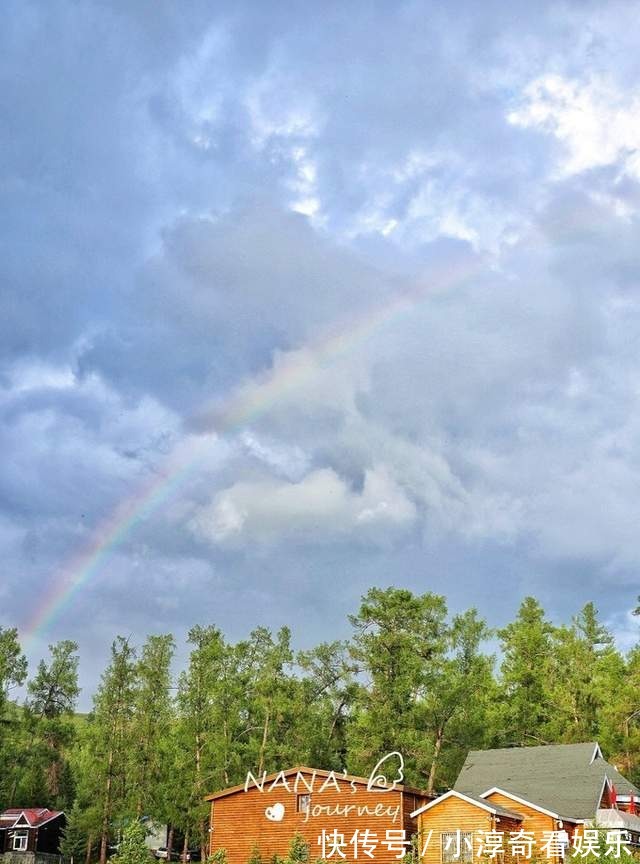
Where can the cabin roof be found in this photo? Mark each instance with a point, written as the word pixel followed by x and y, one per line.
pixel 476 800
pixel 34 816
pixel 319 772
pixel 567 779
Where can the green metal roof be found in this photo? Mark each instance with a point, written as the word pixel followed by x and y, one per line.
pixel 563 778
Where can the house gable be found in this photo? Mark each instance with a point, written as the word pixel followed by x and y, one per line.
pixel 459 818
pixel 563 779
pixel 268 814
pixel 535 820
pixel 487 806
pixel 500 796
pixel 31 829
pixel 22 822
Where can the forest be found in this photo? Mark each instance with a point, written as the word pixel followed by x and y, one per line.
pixel 412 677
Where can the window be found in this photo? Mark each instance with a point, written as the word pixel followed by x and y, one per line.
pixel 303 802
pixel 20 840
pixel 456 846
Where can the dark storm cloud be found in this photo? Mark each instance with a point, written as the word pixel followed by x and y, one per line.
pixel 222 296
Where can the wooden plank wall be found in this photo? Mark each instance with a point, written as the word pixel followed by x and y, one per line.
pixel 449 815
pixel 535 822
pixel 238 821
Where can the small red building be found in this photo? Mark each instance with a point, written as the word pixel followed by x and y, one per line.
pixel 31 829
pixel 267 812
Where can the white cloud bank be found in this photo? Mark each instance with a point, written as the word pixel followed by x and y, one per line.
pixel 596 123
pixel 319 507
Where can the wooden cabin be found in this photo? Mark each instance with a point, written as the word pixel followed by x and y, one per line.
pixel 31 830
pixel 551 793
pixel 452 827
pixel 266 815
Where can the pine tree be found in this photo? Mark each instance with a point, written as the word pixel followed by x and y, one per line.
pixel 256 856
pixel 270 691
pixel 526 673
pixel 584 664
pixel 110 738
pixel 133 848
pixel 399 641
pixel 196 728
pixel 455 704
pixel 620 716
pixel 152 718
pixel 298 852
pixel 73 845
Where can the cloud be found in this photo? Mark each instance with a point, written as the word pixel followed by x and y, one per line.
pixel 78 433
pixel 210 207
pixel 596 123
pixel 318 508
pixel 226 293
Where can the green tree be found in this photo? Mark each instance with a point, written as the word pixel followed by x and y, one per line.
pixel 399 641
pixel 198 687
pixel 620 715
pixel 110 739
pixel 298 851
pixel 13 664
pixel 526 673
pixel 152 718
pixel 13 671
pixel 271 698
pixel 325 695
pixel 583 665
pixel 132 848
pixel 88 790
pixel 455 704
pixel 73 845
pixel 256 856
pixel 49 709
pixel 239 709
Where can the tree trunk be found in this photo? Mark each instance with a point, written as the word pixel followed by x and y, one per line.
pixel 169 843
pixel 437 747
pixel 87 858
pixel 204 851
pixel 12 796
pixel 106 813
pixel 263 746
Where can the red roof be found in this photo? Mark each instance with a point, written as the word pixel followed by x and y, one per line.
pixel 35 816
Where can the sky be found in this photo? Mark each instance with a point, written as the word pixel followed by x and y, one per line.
pixel 301 298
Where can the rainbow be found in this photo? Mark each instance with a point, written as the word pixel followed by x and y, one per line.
pixel 288 374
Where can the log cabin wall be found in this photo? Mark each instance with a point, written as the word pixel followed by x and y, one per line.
pixel 239 822
pixel 537 823
pixel 447 816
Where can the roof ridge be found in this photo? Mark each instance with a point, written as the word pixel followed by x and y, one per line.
pixel 533 747
pixel 340 776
